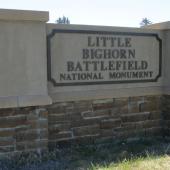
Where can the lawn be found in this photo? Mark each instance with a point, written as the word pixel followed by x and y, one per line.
pixel 148 163
pixel 139 154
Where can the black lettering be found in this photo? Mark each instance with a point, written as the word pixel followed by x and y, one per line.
pixel 97 42
pixel 78 67
pixel 118 65
pixel 86 63
pixel 107 53
pixel 90 44
pixel 123 54
pixel 111 65
pixel 120 43
pixel 85 54
pixel 115 54
pixel 95 63
pixel 62 77
pixel 103 68
pixel 104 41
pixel 128 42
pixel 130 65
pixel 144 65
pixel 112 39
pixel 70 66
pixel 131 53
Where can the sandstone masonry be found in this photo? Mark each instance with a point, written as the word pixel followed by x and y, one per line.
pixel 63 84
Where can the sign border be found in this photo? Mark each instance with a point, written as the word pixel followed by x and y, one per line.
pixel 68 31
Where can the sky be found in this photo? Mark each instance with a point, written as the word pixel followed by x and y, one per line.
pixel 126 13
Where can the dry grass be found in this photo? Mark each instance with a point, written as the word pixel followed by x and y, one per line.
pixel 141 154
pixel 148 163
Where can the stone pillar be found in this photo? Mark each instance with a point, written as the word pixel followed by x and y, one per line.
pixel 165 102
pixel 23 72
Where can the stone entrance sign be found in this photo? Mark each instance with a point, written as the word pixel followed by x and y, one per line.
pixel 87 57
pixel 105 82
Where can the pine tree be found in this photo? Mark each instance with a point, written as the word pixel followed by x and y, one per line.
pixel 63 20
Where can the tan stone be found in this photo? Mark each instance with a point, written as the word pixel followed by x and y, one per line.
pixel 23 15
pixel 63 49
pixel 134 117
pixel 64 135
pixel 86 130
pixel 110 123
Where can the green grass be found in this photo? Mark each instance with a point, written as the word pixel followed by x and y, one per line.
pixel 148 163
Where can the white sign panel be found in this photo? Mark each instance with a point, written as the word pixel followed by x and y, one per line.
pixel 80 57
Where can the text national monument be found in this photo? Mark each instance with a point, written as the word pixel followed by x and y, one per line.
pixel 71 83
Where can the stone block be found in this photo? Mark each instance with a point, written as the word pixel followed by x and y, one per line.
pixel 166 123
pixel 7 112
pixel 36 145
pixel 142 124
pixel 152 123
pixel 110 123
pixel 102 104
pixel 6 132
pixel 33 100
pixel 38 124
pixel 43 113
pixel 52 118
pixel 154 131
pixel 5 141
pixel 74 116
pixel 56 108
pixel 135 117
pixel 86 130
pixel 32 116
pixel 21 146
pixel 64 117
pixel 120 106
pixel 107 133
pixel 128 125
pixel 7 149
pixel 166 131
pixel 154 115
pixel 64 135
pixel 166 115
pixel 56 128
pixel 134 104
pixel 20 128
pixel 96 114
pixel 31 135
pixel 125 134
pixel 82 106
pixel 12 121
pixel 151 103
pixel 86 122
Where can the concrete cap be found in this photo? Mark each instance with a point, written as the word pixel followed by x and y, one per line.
pixel 159 26
pixel 23 15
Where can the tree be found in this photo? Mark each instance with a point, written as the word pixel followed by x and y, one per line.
pixel 63 20
pixel 145 21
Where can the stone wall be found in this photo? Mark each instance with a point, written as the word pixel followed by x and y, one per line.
pixel 166 114
pixel 116 118
pixel 39 111
pixel 23 129
pixel 40 128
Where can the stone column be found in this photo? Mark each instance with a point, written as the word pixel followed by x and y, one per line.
pixel 23 72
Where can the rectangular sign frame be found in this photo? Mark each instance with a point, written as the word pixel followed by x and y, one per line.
pixel 67 31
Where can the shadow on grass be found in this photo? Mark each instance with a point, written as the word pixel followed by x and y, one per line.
pixel 84 157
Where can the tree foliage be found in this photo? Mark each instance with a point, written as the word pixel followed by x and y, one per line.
pixel 145 21
pixel 63 20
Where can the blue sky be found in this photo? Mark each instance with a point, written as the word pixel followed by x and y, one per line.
pixel 98 12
